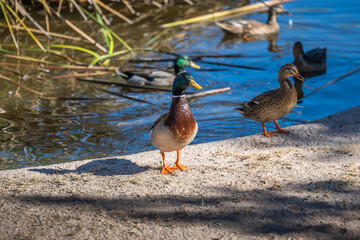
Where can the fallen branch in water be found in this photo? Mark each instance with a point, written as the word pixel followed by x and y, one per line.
pixel 212 16
pixel 208 93
pixel 334 81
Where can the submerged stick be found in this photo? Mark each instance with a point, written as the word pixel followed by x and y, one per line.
pixel 126 96
pixel 26 88
pixel 212 16
pixel 208 93
pixel 334 81
pixel 124 85
pixel 232 65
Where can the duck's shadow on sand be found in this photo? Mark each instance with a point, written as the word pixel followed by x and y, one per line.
pixel 105 167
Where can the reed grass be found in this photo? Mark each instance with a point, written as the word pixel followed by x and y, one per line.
pixel 23 25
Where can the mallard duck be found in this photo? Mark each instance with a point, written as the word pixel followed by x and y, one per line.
pixel 274 104
pixel 158 77
pixel 174 130
pixel 310 63
pixel 249 29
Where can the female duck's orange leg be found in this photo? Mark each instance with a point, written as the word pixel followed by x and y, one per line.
pixel 166 169
pixel 266 133
pixel 279 129
pixel 177 164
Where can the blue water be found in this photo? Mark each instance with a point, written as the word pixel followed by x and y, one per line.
pixel 36 132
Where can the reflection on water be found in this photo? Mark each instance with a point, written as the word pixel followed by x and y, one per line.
pixel 38 132
pixel 228 40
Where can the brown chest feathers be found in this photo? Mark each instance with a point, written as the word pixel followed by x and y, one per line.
pixel 180 120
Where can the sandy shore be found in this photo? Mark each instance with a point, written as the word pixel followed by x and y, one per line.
pixel 302 185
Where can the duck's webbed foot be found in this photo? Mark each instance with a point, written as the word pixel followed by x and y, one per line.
pixel 266 133
pixel 178 165
pixel 279 130
pixel 166 169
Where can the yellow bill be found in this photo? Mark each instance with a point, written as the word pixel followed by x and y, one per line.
pixel 298 76
pixel 192 64
pixel 195 85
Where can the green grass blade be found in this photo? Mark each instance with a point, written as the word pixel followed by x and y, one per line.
pixel 107 28
pixel 83 15
pixel 23 11
pixel 78 30
pixel 85 50
pixel 106 56
pixel 111 47
pixel 153 39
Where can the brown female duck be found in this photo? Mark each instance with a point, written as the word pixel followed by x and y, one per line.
pixel 249 29
pixel 274 104
pixel 174 130
pixel 312 62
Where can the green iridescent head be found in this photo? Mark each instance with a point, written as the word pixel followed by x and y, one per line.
pixel 182 62
pixel 182 82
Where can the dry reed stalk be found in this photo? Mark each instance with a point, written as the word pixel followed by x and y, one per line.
pixel 129 6
pixel 24 25
pixel 74 75
pixel 67 58
pixel 212 16
pixel 59 35
pixel 91 68
pixel 116 13
pixel 78 30
pixel 9 25
pixel 25 58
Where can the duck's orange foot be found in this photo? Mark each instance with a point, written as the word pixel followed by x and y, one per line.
pixel 269 134
pixel 167 170
pixel 247 38
pixel 279 130
pixel 181 167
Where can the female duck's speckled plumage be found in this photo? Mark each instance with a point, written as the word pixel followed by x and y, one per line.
pixel 311 63
pixel 174 130
pixel 250 29
pixel 155 77
pixel 273 104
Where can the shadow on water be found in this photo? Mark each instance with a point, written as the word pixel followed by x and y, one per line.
pixel 107 167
